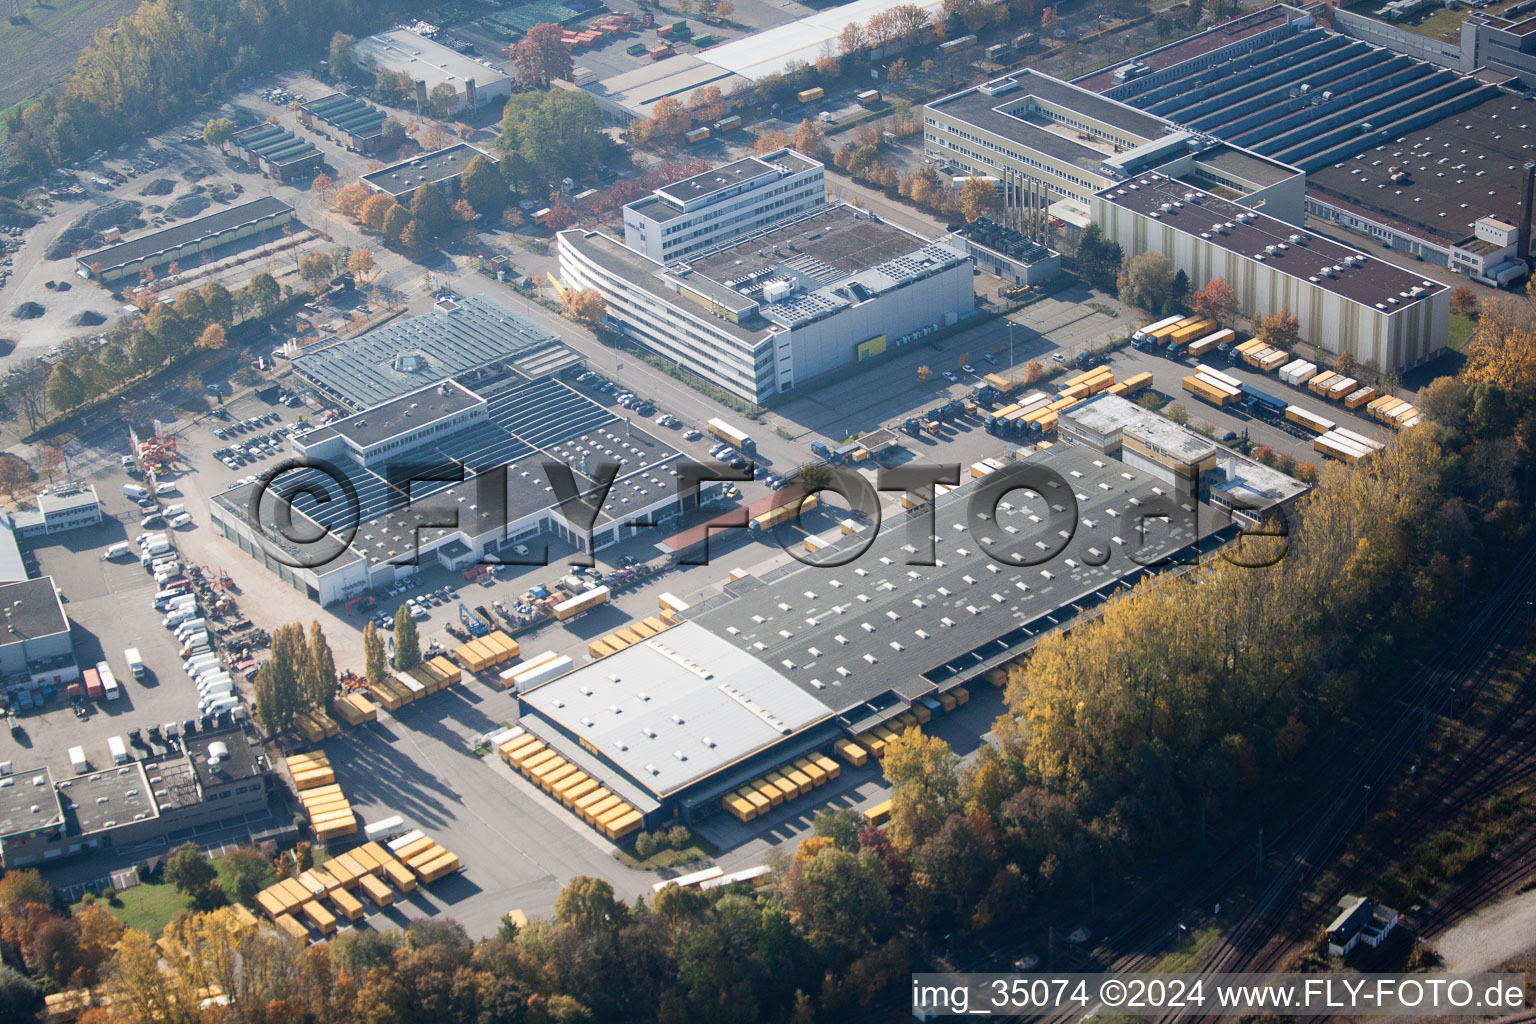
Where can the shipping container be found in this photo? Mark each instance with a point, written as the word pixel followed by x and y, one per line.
pixel 323 920
pixel 728 124
pixel 376 891
pixel 1210 342
pixel 869 97
pixel 92 684
pixel 574 606
pixel 1135 384
pixel 289 925
pixel 811 95
pixel 1366 442
pixel 1310 420
pixel 879 814
pixel 1359 397
pixel 1320 383
pixel 697 135
pixel 1335 447
pixel 1209 391
pixel 1151 330
pixel 1341 387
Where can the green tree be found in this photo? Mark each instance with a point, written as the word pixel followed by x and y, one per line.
pixel 1098 258
pixel 246 871
pixel 429 209
pixel 1146 281
pixel 191 308
pixel 342 62
pixel 323 678
pixel 839 824
pixel 190 871
pixel 218 303
pixel 65 391
pixel 482 187
pixel 443 100
pixel 550 136
pixel 263 293
pixel 217 131
pixel 588 905
pixel 407 641
pixel 20 998
pixel 375 661
pixel 396 221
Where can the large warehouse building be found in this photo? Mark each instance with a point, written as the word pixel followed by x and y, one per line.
pixel 247 225
pixel 1346 300
pixel 430 64
pixel 761 313
pixel 782 665
pixel 1410 153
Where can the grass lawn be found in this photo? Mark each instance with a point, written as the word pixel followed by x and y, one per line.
pixel 697 848
pixel 149 906
pixel 1462 326
pixel 39 50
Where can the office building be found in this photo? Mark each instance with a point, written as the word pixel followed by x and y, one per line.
pixel 765 312
pixel 36 650
pixel 59 508
pixel 740 198
pixel 1052 144
pixel 441 168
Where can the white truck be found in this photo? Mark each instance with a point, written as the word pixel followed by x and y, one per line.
pixel 135 662
pixel 119 750
pixel 108 681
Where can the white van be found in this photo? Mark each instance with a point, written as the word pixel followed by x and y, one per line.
pixel 157 549
pixel 165 576
pixel 195 641
pixel 161 490
pixel 177 522
pixel 177 617
pixel 144 540
pixel 135 491
pixel 202 663
pixel 191 626
pixel 119 550
pixel 171 511
pixel 215 691
pixel 214 681
pixel 162 564
pixel 78 761
pixel 224 703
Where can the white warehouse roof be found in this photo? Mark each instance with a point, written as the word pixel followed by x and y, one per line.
pixel 759 55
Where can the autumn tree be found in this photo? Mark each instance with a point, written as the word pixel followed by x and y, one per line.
pixel 770 142
pixel 708 103
pixel 978 196
pixel 375 209
pixel 212 338
pixel 1463 300
pixel 1217 301
pixel 853 40
pixel 588 305
pixel 360 263
pixel 323 186
pixel 1282 330
pixel 808 139
pixel 541 57
pixel 321 684
pixel 1033 371
pixel 898 72
pixel 396 219
pixel 1345 363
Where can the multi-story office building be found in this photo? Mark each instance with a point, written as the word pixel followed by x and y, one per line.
pixel 739 198
pixel 772 309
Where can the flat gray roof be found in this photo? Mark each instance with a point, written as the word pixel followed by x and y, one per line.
pixel 32 610
pixel 1000 114
pixel 109 798
pixel 178 235
pixel 400 415
pixel 1367 279
pixel 832 243
pixel 467 334
pixel 718 179
pixel 400 49
pixel 1260 170
pixel 1460 168
pixel 428 168
pixel 617 258
pixel 853 635
pixel 1254 483
pixel 28 801
pixel 678 707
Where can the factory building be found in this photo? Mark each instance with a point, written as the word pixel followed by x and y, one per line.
pixel 756 193
pixel 217 777
pixel 1404 145
pixel 779 666
pixel 764 312
pixel 1346 300
pixel 430 64
pixel 60 508
pixel 37 653
pixel 1052 144
pixel 276 152
pixel 480 437
pixel 346 120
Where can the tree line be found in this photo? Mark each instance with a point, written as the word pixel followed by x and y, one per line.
pixel 164 60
